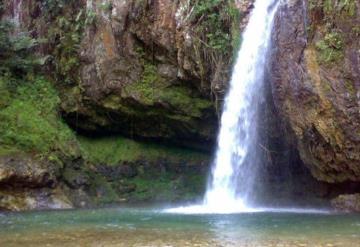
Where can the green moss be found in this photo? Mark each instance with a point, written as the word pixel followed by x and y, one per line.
pixel 356 30
pixel 101 191
pixel 330 49
pixel 152 89
pixel 168 187
pixel 346 9
pixel 180 98
pixel 8 150
pixel 114 150
pixel 350 87
pixel 30 121
pixel 147 88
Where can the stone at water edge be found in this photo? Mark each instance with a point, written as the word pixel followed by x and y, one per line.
pixel 347 203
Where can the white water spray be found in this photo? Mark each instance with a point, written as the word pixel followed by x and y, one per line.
pixel 233 173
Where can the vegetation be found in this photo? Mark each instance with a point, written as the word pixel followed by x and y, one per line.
pixel 167 187
pixel 335 8
pixel 335 14
pixel 17 61
pixel 30 120
pixel 115 150
pixel 152 88
pixel 215 36
pixel 67 20
pixel 213 18
pixel 330 48
pixel 28 103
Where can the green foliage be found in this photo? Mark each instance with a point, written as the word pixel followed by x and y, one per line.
pixel 106 6
pixel 29 118
pixel 235 30
pixel 66 25
pixel 114 150
pixel 16 59
pixel 67 35
pixel 330 48
pixel 30 121
pixel 346 9
pixel 356 31
pixel 212 16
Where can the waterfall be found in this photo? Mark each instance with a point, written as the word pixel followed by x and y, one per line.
pixel 234 168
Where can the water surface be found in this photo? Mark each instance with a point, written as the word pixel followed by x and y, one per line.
pixel 149 227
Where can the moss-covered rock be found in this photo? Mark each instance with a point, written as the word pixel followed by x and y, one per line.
pixel 131 171
pixel 154 70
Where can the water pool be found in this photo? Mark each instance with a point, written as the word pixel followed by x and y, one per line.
pixel 151 227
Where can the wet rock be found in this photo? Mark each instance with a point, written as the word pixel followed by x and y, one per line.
pixel 144 68
pixel 75 179
pixel 124 188
pixel 117 172
pixel 316 86
pixel 347 203
pixel 33 199
pixel 19 171
pixel 127 171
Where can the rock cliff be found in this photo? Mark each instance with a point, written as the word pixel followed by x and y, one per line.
pixel 316 84
pixel 145 69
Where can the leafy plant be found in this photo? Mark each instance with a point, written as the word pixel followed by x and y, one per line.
pixel 16 58
pixel 66 25
pixel 330 48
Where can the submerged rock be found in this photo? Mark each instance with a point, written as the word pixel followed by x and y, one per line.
pixel 347 203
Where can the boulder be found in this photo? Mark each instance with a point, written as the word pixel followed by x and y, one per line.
pixel 20 171
pixel 347 203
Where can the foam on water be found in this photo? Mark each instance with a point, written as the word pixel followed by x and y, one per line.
pixel 241 209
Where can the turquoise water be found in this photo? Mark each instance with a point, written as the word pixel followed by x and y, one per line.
pixel 149 227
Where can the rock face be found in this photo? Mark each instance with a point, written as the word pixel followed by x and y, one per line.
pixel 27 184
pixel 316 84
pixel 151 69
pixel 24 171
pixel 347 203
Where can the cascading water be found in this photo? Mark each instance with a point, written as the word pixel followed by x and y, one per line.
pixel 234 168
pixel 238 133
